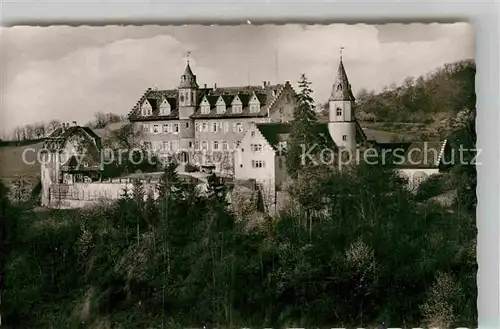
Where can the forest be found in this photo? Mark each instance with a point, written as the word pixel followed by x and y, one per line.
pixel 355 248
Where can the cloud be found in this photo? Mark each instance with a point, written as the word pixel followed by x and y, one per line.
pixel 92 79
pixel 69 73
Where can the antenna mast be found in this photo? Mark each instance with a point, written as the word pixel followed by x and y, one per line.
pixel 276 65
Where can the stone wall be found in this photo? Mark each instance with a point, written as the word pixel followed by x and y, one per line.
pixel 82 194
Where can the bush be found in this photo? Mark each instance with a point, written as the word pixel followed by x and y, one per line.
pixel 191 168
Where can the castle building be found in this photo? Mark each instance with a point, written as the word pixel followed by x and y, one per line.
pixel 191 121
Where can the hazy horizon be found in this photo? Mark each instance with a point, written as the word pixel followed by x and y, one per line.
pixel 69 73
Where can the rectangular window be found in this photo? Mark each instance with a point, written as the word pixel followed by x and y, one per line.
pixel 226 127
pixel 258 164
pixel 215 146
pixel 166 128
pixel 253 134
pixel 145 127
pixel 339 111
pixel 187 124
pixel 238 127
pixel 237 108
pixel 205 109
pixel 215 127
pixel 204 145
pixel 174 145
pixel 156 129
pixel 190 144
pixel 344 137
pixel 204 127
pixel 254 108
pixel 256 147
pixel 166 146
pixel 197 126
pixel 147 145
pixel 224 145
pixel 196 145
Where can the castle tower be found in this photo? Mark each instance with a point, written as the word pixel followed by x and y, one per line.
pixel 187 103
pixel 188 93
pixel 342 122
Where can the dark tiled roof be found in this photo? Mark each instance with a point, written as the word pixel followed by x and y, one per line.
pixel 341 90
pixel 424 154
pixel 280 132
pixel 274 132
pixel 188 79
pixel 57 139
pixel 244 94
pixel 267 95
pixel 415 154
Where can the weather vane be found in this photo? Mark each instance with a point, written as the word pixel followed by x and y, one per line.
pixel 341 48
pixel 188 54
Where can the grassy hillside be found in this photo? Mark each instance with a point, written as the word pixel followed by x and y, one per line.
pixel 421 108
pixel 14 164
pixel 441 94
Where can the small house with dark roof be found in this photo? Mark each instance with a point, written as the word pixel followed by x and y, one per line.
pixel 261 154
pixel 418 160
pixel 70 154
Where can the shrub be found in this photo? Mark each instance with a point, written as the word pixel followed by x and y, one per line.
pixel 191 168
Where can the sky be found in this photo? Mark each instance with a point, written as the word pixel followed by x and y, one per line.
pixel 70 73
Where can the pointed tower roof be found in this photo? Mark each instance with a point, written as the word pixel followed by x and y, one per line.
pixel 188 79
pixel 341 90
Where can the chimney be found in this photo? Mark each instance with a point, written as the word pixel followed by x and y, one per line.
pixel 205 86
pixel 74 123
pixel 215 86
pixel 264 84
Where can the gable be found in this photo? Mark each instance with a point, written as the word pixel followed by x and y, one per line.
pixel 236 101
pixel 220 101
pixel 146 105
pixel 254 100
pixel 165 103
pixel 204 101
pixel 254 136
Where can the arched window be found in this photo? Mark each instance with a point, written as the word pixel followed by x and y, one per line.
pixel 339 87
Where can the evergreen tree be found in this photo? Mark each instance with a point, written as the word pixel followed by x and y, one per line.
pixel 303 134
pixel 169 179
pixel 216 190
pixel 138 192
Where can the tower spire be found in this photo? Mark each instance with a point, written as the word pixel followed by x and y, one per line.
pixel 188 79
pixel 341 90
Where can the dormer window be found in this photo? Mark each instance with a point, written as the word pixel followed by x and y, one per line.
pixel 236 105
pixel 146 108
pixel 254 104
pixel 221 105
pixel 339 111
pixel 205 106
pixel 339 87
pixel 165 107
